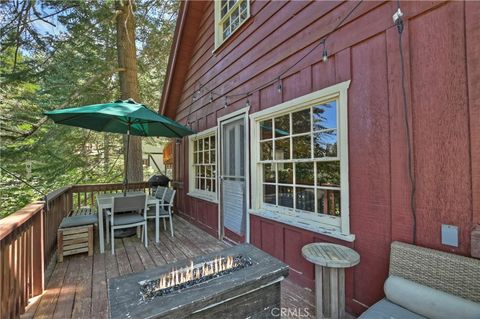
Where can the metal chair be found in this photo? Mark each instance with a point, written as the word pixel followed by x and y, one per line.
pixel 127 219
pixel 166 208
pixel 160 192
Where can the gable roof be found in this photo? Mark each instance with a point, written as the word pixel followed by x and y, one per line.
pixel 186 29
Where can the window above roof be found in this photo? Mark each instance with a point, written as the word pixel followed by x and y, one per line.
pixel 229 16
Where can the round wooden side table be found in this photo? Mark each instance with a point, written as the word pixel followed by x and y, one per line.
pixel 330 262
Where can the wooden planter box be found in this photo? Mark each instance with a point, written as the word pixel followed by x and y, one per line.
pixel 74 240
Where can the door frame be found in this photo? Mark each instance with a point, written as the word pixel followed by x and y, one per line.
pixel 221 121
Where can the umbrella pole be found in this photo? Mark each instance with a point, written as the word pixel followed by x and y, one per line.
pixel 125 181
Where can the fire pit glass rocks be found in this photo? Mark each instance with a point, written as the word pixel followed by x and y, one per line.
pixel 238 282
pixel 178 279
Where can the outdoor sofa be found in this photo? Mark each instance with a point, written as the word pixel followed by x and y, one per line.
pixel 426 283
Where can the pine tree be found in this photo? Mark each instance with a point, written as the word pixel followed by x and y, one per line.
pixel 129 88
pixel 55 54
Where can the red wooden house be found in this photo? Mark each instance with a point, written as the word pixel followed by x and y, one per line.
pixel 302 127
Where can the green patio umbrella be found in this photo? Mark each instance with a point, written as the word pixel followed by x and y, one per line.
pixel 124 117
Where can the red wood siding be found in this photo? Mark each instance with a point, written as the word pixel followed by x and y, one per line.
pixel 441 43
pixel 370 178
pixel 202 213
pixel 472 30
pixel 440 124
pixel 285 243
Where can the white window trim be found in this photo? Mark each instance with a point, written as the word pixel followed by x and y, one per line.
pixel 192 191
pixel 218 29
pixel 297 218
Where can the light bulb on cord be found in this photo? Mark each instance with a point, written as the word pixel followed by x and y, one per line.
pixel 324 53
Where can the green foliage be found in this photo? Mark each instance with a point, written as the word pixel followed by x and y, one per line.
pixel 155 46
pixel 68 58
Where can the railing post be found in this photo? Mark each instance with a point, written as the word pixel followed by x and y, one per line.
pixel 38 247
pixel 68 200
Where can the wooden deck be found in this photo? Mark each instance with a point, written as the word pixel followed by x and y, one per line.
pixel 77 288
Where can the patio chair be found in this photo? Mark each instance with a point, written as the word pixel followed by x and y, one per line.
pixel 166 208
pixel 160 192
pixel 126 213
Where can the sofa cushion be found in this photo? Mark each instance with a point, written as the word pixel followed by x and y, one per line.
pixel 429 302
pixel 151 212
pixel 75 221
pixel 385 309
pixel 126 219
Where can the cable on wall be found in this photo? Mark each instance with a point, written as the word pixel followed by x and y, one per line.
pixel 399 23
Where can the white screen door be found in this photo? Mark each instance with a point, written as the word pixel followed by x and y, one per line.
pixel 232 177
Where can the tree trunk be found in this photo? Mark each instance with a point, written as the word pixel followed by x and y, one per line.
pixel 106 153
pixel 129 87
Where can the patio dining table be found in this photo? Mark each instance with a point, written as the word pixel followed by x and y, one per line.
pixel 105 202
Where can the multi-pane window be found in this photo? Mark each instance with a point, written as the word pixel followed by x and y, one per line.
pixel 229 15
pixel 204 164
pixel 300 162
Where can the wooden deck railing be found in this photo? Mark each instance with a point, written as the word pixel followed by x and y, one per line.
pixel 58 206
pixel 21 259
pixel 28 241
pixel 85 195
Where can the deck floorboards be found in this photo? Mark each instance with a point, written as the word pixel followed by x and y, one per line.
pixel 77 288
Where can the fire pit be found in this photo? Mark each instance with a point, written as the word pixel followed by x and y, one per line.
pixel 179 279
pixel 238 282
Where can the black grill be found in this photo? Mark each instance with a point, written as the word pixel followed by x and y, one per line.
pixel 158 180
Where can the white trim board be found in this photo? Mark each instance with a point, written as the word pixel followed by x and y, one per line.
pixel 322 230
pixel 236 113
pixel 314 97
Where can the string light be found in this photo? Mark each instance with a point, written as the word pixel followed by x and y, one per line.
pixel 278 78
pixel 196 94
pixel 279 86
pixel 324 53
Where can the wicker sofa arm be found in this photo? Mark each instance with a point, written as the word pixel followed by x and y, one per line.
pixel 427 283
